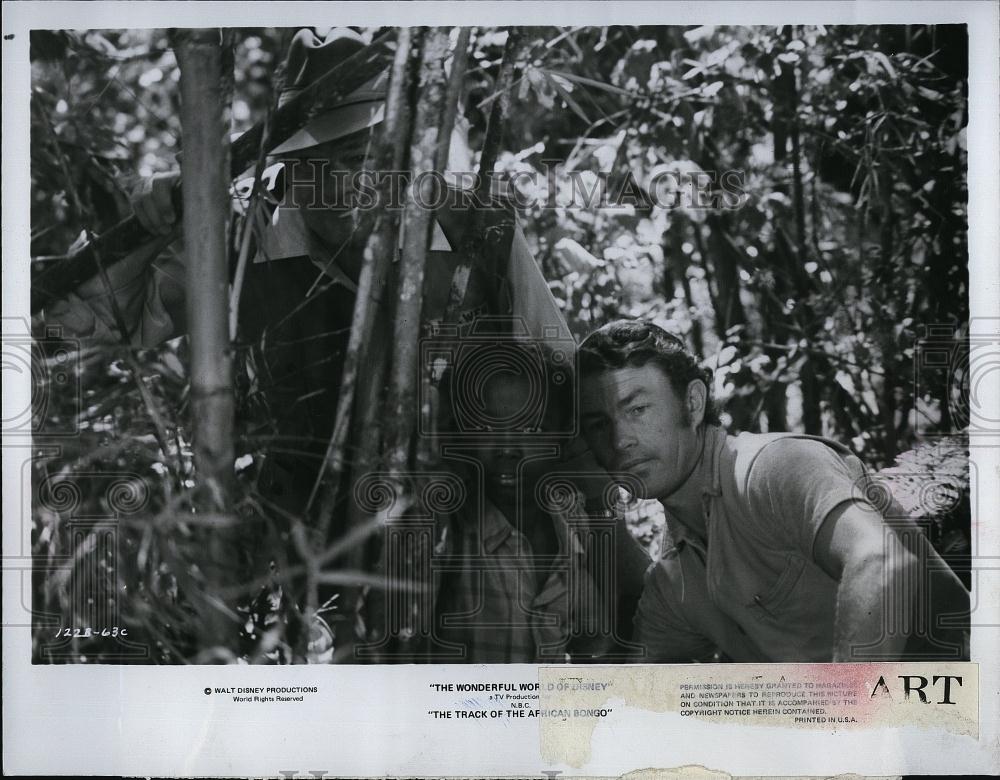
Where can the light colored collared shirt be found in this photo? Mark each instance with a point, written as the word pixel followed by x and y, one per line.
pixel 754 590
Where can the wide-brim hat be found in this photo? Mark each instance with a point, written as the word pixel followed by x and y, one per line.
pixel 310 57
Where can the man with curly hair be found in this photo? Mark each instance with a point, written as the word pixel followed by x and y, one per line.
pixel 772 551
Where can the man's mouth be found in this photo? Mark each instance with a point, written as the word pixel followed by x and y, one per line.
pixel 632 464
pixel 505 473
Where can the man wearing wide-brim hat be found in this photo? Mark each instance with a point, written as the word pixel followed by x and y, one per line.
pixel 298 294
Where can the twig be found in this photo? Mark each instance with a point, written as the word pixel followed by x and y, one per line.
pixel 248 233
pixel 472 241
pixel 378 251
pixel 83 214
pixel 456 83
pixel 835 358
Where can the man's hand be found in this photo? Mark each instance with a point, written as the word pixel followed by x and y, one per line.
pixel 152 202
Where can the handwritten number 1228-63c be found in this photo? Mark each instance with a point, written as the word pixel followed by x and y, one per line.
pixel 92 632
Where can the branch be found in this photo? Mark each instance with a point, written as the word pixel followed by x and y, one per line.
pixel 472 241
pixel 53 280
pixel 403 377
pixel 368 302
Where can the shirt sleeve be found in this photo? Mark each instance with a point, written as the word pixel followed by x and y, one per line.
pixel 794 484
pixel 149 292
pixel 163 305
pixel 660 625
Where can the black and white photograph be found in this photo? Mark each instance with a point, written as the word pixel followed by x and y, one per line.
pixel 487 343
pixel 387 407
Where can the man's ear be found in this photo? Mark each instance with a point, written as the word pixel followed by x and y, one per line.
pixel 696 401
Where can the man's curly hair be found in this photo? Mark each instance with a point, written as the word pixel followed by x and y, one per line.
pixel 636 343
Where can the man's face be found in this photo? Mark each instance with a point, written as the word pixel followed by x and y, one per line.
pixel 324 176
pixel 501 449
pixel 635 423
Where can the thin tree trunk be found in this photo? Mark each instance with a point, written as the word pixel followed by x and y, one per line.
pixel 787 99
pixel 463 277
pixel 405 367
pixel 725 263
pixel 205 171
pixel 456 85
pixel 718 324
pixel 425 455
pixel 367 425
pixel 54 279
pixel 359 399
pixel 888 400
pixel 673 262
pixel 376 263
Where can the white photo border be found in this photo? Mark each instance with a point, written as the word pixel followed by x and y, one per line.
pixel 142 720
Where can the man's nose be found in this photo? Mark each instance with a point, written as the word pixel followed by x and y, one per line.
pixel 622 436
pixel 509 450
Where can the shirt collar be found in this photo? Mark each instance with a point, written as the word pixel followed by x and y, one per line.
pixel 709 473
pixel 710 467
pixel 496 529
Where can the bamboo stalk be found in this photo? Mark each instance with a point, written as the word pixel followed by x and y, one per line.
pixel 205 218
pixel 364 366
pixel 205 173
pixel 456 82
pixel 472 241
pixel 425 457
pixel 404 370
pixel 375 266
pixel 374 382
pixel 500 109
pixel 53 280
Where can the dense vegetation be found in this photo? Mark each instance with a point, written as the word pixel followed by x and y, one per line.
pixel 809 300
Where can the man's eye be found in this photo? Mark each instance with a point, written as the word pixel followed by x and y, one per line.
pixel 637 411
pixel 353 160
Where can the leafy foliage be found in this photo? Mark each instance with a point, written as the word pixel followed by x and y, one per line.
pixel 807 300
